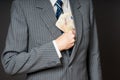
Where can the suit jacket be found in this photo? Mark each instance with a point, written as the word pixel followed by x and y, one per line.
pixel 29 48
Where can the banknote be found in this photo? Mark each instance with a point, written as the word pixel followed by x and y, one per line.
pixel 65 22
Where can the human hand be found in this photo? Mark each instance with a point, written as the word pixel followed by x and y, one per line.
pixel 66 40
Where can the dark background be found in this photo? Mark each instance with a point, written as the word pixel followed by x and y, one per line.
pixel 108 21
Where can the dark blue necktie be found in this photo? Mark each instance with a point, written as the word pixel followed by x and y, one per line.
pixel 59 10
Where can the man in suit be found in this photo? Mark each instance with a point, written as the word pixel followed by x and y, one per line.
pixel 36 47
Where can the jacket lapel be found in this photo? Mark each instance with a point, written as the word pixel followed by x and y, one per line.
pixel 48 16
pixel 78 20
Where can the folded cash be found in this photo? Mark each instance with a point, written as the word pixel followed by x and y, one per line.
pixel 65 22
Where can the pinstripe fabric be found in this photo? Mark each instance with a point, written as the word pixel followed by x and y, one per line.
pixel 29 48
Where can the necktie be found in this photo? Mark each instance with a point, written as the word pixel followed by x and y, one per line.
pixel 59 10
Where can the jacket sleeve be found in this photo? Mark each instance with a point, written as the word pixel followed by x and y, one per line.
pixel 16 58
pixel 94 65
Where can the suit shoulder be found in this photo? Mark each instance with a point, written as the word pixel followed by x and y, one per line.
pixel 85 1
pixel 24 2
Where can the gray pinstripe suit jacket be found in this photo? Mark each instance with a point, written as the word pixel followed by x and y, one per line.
pixel 29 48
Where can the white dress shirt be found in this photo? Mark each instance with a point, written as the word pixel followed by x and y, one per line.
pixel 66 8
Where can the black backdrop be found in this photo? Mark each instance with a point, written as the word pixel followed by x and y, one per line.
pixel 108 21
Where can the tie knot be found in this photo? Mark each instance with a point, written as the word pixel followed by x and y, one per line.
pixel 59 3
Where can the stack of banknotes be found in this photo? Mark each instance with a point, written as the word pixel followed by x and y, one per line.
pixel 65 22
